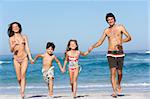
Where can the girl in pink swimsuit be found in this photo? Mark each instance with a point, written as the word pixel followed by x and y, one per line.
pixel 72 55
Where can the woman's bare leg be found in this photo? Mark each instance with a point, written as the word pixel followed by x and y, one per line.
pixel 18 71
pixel 24 66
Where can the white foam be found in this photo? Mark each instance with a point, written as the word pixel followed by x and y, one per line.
pixel 143 60
pixel 5 62
pixel 80 86
pixel 147 52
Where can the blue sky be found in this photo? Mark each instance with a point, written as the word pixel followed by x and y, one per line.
pixel 84 20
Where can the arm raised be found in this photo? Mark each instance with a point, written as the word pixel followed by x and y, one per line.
pixel 12 44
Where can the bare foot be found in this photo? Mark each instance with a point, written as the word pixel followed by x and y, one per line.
pixel 114 95
pixel 51 94
pixel 22 95
pixel 119 90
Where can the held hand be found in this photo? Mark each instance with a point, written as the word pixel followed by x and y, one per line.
pixel 90 49
pixel 63 71
pixel 31 61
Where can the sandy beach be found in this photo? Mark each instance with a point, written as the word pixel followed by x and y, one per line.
pixel 81 95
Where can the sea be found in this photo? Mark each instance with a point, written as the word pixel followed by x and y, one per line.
pixel 94 75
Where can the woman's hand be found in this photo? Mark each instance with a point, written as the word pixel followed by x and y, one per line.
pixel 31 61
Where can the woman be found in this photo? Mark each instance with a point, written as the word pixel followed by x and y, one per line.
pixel 20 48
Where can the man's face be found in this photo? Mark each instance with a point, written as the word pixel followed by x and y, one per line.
pixel 111 21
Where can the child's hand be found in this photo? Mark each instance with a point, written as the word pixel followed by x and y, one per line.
pixel 63 71
pixel 31 61
pixel 90 49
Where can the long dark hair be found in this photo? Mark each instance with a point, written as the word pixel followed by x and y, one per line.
pixel 72 40
pixel 68 49
pixel 10 32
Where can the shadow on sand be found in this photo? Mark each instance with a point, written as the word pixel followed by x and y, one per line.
pixel 55 97
pixel 81 96
pixel 119 95
pixel 37 96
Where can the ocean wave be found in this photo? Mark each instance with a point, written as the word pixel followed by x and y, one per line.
pixel 80 86
pixel 147 52
pixel 143 60
pixel 5 62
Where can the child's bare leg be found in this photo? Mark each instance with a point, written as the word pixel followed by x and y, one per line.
pixel 71 79
pixel 75 81
pixel 51 81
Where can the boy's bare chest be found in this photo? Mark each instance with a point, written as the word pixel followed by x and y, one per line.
pixel 48 59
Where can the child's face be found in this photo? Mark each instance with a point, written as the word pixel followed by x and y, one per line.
pixel 72 45
pixel 49 50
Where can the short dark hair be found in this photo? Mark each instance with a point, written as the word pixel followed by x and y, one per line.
pixel 10 31
pixel 50 44
pixel 110 15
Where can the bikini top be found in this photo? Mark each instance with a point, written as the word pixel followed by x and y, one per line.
pixel 20 42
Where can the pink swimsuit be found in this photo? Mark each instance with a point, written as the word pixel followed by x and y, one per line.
pixel 73 62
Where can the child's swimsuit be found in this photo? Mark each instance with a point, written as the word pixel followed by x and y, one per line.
pixel 47 74
pixel 73 62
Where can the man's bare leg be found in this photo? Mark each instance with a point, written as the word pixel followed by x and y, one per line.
pixel 119 89
pixel 113 81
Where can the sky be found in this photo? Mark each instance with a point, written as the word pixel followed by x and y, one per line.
pixel 59 21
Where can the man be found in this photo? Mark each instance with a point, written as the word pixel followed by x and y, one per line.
pixel 115 55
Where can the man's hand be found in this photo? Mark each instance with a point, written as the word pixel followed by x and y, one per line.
pixel 90 49
pixel 119 47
